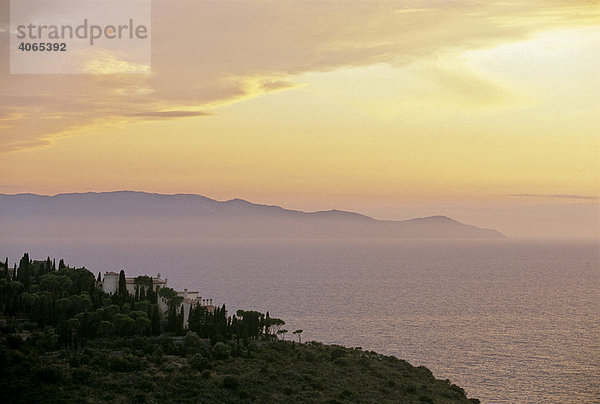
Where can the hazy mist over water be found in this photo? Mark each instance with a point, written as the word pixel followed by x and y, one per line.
pixel 509 321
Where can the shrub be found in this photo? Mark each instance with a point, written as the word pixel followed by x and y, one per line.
pixel 310 356
pixel 74 361
pixel 221 351
pixel 198 362
pixel 14 341
pixel 337 353
pixel 230 382
pixel 157 359
pixel 30 325
pixel 81 375
pixel 345 394
pixel 458 389
pixel 193 344
pixel 125 363
pixel 167 345
pixel 48 374
pixel 84 359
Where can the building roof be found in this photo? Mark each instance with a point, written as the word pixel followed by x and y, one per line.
pixel 130 280
pixel 154 280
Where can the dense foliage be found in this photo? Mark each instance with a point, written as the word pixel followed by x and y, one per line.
pixel 71 302
pixel 63 340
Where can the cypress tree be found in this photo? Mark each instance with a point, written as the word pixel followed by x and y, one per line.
pixel 191 319
pixel 41 270
pixel 142 293
pixel 61 264
pixel 171 318
pixel 122 283
pixel 267 323
pixel 99 279
pixel 152 296
pixel 156 320
pixel 179 324
pixel 24 271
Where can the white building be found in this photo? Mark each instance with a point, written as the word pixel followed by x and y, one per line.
pixel 110 285
pixel 192 299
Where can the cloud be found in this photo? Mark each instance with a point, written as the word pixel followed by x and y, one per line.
pixel 276 85
pixel 469 88
pixel 207 54
pixel 558 196
pixel 110 65
pixel 167 114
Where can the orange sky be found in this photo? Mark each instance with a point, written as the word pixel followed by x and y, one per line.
pixel 483 111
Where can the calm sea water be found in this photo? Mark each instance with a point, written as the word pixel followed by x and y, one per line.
pixel 509 321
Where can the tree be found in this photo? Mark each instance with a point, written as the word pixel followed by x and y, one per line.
pixel 282 333
pixel 124 325
pixel 221 351
pixel 82 280
pixel 5 271
pixel 61 264
pixel 192 342
pixel 167 293
pixel 25 271
pixel 155 320
pixel 106 328
pixel 172 318
pixel 274 323
pixel 143 325
pixel 298 332
pixel 179 324
pixel 151 296
pixel 55 283
pixel 73 326
pixel 143 280
pixel 122 283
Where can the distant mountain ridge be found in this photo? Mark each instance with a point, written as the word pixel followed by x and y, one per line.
pixel 136 214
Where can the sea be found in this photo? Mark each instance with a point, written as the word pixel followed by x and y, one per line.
pixel 510 321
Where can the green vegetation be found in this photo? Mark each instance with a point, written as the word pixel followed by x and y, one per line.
pixel 71 302
pixel 63 340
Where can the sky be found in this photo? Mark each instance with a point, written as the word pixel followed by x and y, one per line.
pixel 484 111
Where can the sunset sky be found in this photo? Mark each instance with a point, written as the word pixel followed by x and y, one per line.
pixel 485 111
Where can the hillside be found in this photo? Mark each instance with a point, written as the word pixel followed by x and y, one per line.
pixel 137 371
pixel 127 214
pixel 62 339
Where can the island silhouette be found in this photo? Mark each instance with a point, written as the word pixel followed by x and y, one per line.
pixel 134 214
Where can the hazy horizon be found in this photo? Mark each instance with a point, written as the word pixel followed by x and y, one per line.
pixel 514 221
